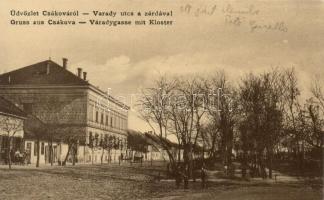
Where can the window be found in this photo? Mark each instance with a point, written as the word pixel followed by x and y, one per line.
pixel 102 118
pixel 4 142
pixel 96 139
pixel 28 148
pixel 106 120
pixel 111 121
pixel 35 149
pixel 90 139
pixel 97 116
pixel 43 148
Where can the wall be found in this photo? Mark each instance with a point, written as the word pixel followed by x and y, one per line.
pixel 7 120
pixel 73 109
pixel 50 104
pixel 30 147
pixel 105 117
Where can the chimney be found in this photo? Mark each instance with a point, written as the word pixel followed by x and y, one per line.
pixel 65 63
pixel 48 68
pixel 85 76
pixel 79 72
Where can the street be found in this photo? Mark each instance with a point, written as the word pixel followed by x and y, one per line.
pixel 111 181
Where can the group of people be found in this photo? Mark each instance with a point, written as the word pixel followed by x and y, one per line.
pixel 203 176
pixel 19 157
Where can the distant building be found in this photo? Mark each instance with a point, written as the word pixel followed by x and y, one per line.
pixel 69 106
pixel 149 147
pixel 11 125
pixel 158 152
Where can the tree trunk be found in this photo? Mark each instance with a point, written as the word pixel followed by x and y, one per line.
pixel 185 170
pixel 51 152
pixel 102 154
pixel 244 165
pixel 190 163
pixel 109 156
pixel 186 176
pixel 9 151
pixel 186 182
pixel 270 162
pixel 179 154
pixel 73 154
pixel 92 151
pixel 37 153
pixel 229 148
pixel 67 155
pixel 223 150
pixel 262 166
pixel 245 152
pixel 301 159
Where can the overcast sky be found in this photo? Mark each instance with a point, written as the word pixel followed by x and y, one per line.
pixel 127 58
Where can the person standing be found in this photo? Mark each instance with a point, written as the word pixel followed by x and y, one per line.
pixel 203 175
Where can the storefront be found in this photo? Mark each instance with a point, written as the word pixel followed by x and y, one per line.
pixel 17 147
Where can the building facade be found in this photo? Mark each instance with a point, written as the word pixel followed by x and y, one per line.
pixel 70 107
pixel 11 129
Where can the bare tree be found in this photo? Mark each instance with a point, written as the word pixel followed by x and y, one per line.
pixel 293 116
pixel 262 105
pixel 223 113
pixel 314 125
pixel 175 107
pixel 185 119
pixel 51 114
pixel 318 91
pixel 91 145
pixel 211 137
pixel 255 119
pixel 107 144
pixel 61 119
pixel 71 136
pixel 38 130
pixel 10 126
pixel 156 108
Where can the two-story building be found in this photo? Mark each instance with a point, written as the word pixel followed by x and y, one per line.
pixel 11 126
pixel 70 107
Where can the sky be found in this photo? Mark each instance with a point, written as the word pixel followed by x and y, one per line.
pixel 229 36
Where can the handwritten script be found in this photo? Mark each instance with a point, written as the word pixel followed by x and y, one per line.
pixel 248 17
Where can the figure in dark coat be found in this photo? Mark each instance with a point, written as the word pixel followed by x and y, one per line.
pixel 203 175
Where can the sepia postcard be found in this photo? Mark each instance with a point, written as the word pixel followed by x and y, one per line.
pixel 161 99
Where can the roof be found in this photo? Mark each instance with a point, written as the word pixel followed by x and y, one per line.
pixel 36 74
pixel 35 128
pixel 9 108
pixel 139 139
pixel 158 140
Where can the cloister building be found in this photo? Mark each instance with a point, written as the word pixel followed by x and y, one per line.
pixel 69 106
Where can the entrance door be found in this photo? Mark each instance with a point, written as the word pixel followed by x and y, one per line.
pixel 55 154
pixel 47 160
pixel 28 152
